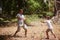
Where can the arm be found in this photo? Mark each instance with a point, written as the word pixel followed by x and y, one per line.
pixel 53 20
pixel 18 17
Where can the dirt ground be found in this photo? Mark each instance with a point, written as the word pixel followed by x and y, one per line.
pixel 36 32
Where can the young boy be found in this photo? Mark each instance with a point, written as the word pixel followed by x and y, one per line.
pixel 50 27
pixel 21 23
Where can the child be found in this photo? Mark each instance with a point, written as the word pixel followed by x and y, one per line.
pixel 21 23
pixel 50 27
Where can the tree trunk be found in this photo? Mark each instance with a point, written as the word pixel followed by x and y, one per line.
pixel 57 11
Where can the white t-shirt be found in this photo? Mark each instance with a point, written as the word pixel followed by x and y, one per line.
pixel 21 20
pixel 49 24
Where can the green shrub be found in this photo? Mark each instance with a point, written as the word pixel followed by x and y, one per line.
pixel 31 18
pixel 49 14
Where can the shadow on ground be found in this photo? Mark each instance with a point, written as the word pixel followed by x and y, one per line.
pixel 7 24
pixel 8 37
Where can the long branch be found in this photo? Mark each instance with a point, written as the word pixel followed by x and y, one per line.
pixel 58 1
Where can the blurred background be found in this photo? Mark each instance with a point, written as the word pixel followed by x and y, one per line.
pixel 32 9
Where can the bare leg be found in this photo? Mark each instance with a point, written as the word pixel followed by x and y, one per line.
pixel 53 33
pixel 25 28
pixel 18 29
pixel 25 32
pixel 47 33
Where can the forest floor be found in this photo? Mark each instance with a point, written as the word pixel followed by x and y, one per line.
pixel 36 32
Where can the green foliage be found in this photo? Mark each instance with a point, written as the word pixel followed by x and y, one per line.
pixel 34 4
pixel 30 18
pixel 49 14
pixel 37 7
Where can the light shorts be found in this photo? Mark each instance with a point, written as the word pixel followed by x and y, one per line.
pixel 22 24
pixel 50 27
pixel 25 26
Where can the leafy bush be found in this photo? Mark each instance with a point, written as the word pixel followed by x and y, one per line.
pixel 49 14
pixel 30 18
